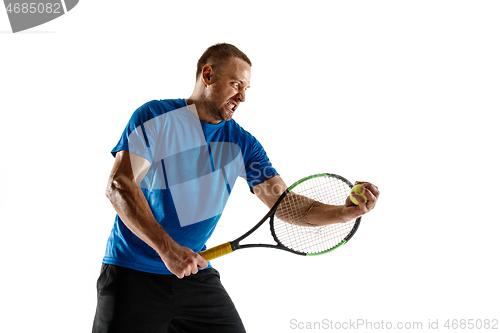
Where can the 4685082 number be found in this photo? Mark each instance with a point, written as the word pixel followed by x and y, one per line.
pixel 477 324
pixel 34 8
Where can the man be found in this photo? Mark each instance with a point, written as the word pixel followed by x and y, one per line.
pixel 174 169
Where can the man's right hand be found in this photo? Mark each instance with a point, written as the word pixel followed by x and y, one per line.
pixel 182 261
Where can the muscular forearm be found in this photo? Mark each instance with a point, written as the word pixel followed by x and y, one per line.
pixel 133 209
pixel 321 214
pixel 300 210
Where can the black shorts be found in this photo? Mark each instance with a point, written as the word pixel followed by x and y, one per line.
pixel 134 301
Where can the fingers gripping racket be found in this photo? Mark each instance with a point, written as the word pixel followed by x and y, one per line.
pixel 289 223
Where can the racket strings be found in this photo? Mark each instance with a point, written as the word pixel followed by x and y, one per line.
pixel 293 226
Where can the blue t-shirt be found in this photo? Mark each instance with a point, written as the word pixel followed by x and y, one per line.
pixel 194 166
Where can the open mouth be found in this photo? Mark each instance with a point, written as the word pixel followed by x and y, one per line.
pixel 231 106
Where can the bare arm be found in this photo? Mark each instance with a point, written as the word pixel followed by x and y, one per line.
pixel 317 213
pixel 130 204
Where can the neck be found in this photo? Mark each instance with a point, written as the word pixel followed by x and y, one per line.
pixel 200 110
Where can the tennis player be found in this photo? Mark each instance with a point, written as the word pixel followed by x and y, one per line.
pixel 175 166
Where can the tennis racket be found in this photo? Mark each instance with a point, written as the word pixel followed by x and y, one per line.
pixel 289 223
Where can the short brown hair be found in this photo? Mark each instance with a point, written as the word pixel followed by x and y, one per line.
pixel 217 56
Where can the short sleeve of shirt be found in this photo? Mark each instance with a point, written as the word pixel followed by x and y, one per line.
pixel 258 168
pixel 140 134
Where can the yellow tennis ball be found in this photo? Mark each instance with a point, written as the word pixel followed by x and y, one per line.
pixel 357 189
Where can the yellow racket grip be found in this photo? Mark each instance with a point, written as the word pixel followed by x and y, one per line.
pixel 216 252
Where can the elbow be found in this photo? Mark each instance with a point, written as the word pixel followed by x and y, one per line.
pixel 109 190
pixel 114 186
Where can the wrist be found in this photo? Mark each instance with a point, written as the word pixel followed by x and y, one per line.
pixel 164 245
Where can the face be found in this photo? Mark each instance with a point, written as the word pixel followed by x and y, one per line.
pixel 225 92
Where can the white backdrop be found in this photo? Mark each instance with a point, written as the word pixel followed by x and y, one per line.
pixel 399 93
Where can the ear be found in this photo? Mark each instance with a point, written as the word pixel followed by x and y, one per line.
pixel 207 75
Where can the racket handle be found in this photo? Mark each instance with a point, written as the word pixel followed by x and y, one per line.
pixel 216 252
